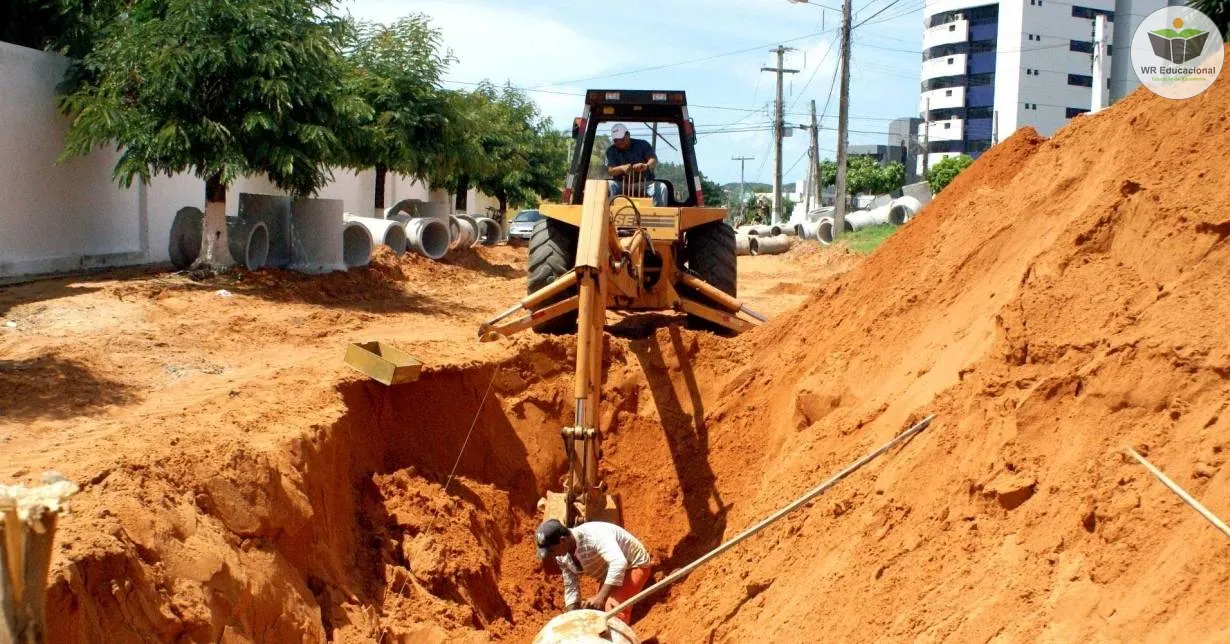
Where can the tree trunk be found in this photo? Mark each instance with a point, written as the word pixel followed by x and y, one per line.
pixel 214 250
pixel 380 172
pixel 503 199
pixel 463 186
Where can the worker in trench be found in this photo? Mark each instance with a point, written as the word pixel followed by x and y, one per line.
pixel 602 551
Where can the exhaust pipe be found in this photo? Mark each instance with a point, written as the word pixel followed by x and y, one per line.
pixel 428 237
pixel 390 232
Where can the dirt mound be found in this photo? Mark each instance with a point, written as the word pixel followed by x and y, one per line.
pixel 1061 299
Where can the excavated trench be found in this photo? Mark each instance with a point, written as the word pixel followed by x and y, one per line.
pixel 349 534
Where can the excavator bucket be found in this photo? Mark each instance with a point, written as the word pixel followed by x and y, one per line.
pixel 603 507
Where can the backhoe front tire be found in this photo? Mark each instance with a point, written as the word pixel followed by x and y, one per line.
pixel 709 251
pixel 553 252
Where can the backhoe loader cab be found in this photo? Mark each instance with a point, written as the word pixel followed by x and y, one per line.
pixel 594 253
pixel 661 118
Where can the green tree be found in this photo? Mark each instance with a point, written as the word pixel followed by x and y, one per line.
pixel 942 173
pixel 1217 10
pixel 219 89
pixel 506 149
pixel 396 70
pixel 715 195
pixel 69 27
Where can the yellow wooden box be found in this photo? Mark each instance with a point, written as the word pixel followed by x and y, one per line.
pixel 383 362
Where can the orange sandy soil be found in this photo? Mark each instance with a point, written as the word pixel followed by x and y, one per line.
pixel 241 482
pixel 1061 300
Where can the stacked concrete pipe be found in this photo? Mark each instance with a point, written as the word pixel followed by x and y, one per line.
pixel 903 209
pixel 489 232
pixel 771 245
pixel 863 218
pixel 390 232
pixel 428 237
pixel 248 242
pixel 743 244
pixel 357 244
pixel 317 236
pixel 464 231
pixel 824 230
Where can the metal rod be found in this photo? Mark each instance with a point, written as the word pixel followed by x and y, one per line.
pixel 764 523
pixel 1187 498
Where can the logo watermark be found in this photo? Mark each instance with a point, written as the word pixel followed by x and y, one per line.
pixel 1177 52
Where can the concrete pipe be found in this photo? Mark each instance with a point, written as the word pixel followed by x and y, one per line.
pixel 743 245
pixel 248 242
pixel 863 218
pixel 185 243
pixel 586 627
pixel 317 235
pixel 473 221
pixel 775 230
pixel 793 229
pixel 356 244
pixel 408 207
pixel 403 218
pixel 746 229
pixel 489 232
pixel 811 230
pixel 274 212
pixel 464 232
pixel 753 244
pixel 824 230
pixel 390 232
pixel 772 245
pixel 428 237
pixel 902 210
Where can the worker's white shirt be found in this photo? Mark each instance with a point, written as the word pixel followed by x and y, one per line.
pixel 605 551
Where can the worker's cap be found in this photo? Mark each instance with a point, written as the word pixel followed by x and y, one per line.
pixel 548 535
pixel 619 131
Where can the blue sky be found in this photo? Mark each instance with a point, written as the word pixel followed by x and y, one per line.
pixel 562 47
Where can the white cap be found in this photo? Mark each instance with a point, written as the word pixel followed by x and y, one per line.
pixel 619 131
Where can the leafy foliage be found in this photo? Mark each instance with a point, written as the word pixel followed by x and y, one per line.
pixel 758 209
pixel 505 148
pixel 65 26
pixel 221 89
pixel 864 175
pixel 715 194
pixel 942 173
pixel 396 70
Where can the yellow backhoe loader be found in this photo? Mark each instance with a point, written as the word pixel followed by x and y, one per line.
pixel 595 252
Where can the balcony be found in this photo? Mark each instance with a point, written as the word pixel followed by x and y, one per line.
pixel 942 99
pixel 956 31
pixel 944 66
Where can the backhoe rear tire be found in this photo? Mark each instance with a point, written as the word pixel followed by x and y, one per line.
pixel 709 251
pixel 553 252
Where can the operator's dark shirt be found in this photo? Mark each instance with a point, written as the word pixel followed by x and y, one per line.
pixel 638 152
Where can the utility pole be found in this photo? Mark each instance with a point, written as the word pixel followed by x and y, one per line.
pixel 778 130
pixel 926 151
pixel 843 122
pixel 814 171
pixel 742 161
pixel 995 127
pixel 1099 63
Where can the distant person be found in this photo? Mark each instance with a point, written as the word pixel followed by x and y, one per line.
pixel 631 162
pixel 602 551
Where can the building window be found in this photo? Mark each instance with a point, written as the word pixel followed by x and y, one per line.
pixel 947 92
pixel 1080 80
pixel 950 61
pixel 1108 50
pixel 1073 112
pixel 952 27
pixel 1082 46
pixel 1089 14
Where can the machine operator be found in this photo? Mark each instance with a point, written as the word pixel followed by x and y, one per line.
pixel 630 162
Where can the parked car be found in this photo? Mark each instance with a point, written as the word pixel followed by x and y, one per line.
pixel 522 226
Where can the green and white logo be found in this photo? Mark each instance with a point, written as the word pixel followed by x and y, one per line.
pixel 1177 52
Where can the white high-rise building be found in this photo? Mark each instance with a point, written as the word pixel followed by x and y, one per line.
pixel 992 67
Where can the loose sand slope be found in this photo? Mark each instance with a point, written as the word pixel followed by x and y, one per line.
pixel 1062 299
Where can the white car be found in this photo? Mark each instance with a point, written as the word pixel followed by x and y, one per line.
pixel 522 225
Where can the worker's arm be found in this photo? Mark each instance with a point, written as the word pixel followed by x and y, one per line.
pixel 572 589
pixel 616 564
pixel 613 169
pixel 649 163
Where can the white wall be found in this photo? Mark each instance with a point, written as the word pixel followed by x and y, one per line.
pixel 55 217
pixel 69 216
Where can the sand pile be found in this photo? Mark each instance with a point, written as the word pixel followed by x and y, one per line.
pixel 1060 300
